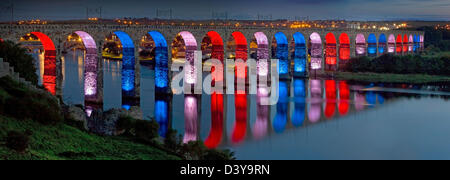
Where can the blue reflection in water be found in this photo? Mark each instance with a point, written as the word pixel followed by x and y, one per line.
pixel 371 97
pixel 279 124
pixel 162 116
pixel 299 55
pixel 300 94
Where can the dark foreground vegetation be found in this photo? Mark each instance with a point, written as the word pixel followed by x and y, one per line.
pixel 20 60
pixel 33 126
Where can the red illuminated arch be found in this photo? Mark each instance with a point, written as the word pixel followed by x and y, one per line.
pixel 330 51
pixel 399 43
pixel 344 47
pixel 237 47
pixel 46 41
pixel 405 43
pixel 212 45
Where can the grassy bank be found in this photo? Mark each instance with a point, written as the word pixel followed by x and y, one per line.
pixel 34 118
pixel 59 142
pixel 391 78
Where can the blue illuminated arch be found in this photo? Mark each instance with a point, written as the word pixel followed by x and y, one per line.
pixel 299 55
pixel 372 45
pixel 382 44
pixel 161 62
pixel 128 62
pixel 281 53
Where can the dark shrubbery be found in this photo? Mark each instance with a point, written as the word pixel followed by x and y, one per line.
pixel 23 103
pixel 18 141
pixel 142 130
pixel 18 58
pixel 401 65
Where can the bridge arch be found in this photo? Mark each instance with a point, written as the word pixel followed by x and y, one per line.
pixel 360 42
pixel 391 44
pixel 344 49
pixel 280 51
pixel 416 43
pixel 298 54
pixel 411 43
pixel 372 45
pixel 183 47
pixel 49 75
pixel 212 48
pixel 159 51
pixel 259 50
pixel 382 43
pixel 315 51
pixel 405 43
pixel 399 44
pixel 330 52
pixel 237 50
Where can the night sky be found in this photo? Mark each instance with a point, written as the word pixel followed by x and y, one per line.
pixel 237 9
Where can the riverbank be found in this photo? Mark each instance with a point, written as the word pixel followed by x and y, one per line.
pixel 391 78
pixel 32 127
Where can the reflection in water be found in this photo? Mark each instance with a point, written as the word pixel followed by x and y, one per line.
pixel 300 98
pixel 49 80
pixel 344 98
pixel 191 118
pixel 262 115
pixel 280 122
pixel 240 124
pixel 360 99
pixel 330 93
pixel 217 125
pixel 315 106
pixel 371 97
pixel 162 114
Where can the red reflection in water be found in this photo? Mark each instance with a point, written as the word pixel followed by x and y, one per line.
pixel 215 135
pixel 344 96
pixel 240 125
pixel 49 79
pixel 330 91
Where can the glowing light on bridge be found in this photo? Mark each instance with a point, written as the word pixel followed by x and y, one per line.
pixel 405 43
pixel 391 44
pixel 260 51
pixel 128 62
pixel 300 98
pixel 280 122
pixel 372 45
pixel 212 48
pixel 280 50
pixel 315 50
pixel 344 49
pixel 217 114
pixel 299 54
pixel 161 61
pixel 315 106
pixel 399 43
pixel 184 47
pixel 49 79
pixel 360 45
pixel 190 119
pixel 382 44
pixel 330 94
pixel 237 50
pixel 416 43
pixel 330 52
pixel 90 66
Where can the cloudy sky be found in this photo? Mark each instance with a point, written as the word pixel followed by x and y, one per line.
pixel 237 9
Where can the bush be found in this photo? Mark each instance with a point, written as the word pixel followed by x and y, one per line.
pixel 18 58
pixel 125 123
pixel 173 141
pixel 146 131
pixel 196 150
pixel 18 141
